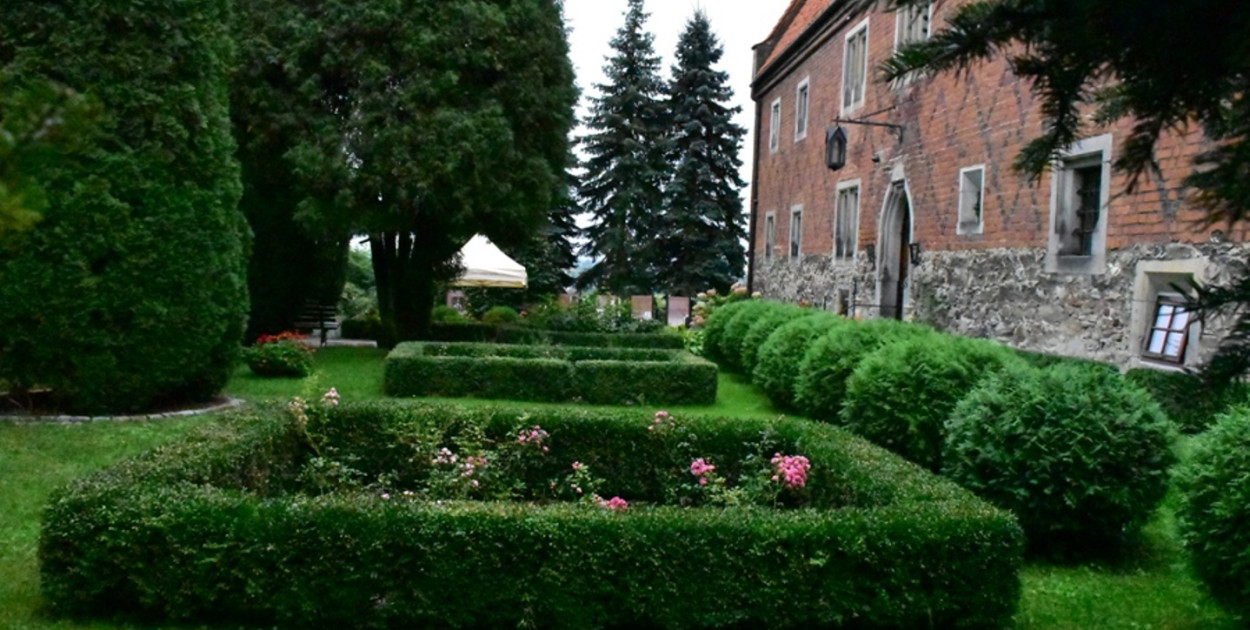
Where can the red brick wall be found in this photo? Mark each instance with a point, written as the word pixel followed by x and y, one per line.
pixel 951 122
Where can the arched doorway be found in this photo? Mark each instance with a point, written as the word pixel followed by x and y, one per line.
pixel 894 236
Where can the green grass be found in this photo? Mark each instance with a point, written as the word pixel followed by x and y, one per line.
pixel 1154 590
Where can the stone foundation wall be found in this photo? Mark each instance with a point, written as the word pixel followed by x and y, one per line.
pixel 1006 294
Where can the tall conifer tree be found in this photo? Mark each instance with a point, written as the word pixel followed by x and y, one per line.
pixel 704 225
pixel 624 181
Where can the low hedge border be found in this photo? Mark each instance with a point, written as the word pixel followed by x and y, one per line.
pixel 487 333
pixel 620 376
pixel 185 534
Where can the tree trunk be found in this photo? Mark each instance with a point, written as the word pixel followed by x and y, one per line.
pixel 404 266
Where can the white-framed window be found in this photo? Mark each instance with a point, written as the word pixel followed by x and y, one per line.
pixel 846 221
pixel 802 98
pixel 796 232
pixel 774 126
pixel 971 199
pixel 912 24
pixel 770 234
pixel 855 67
pixel 1168 334
pixel 1079 193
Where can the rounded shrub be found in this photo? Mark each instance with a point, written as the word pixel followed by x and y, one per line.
pixel 287 358
pixel 777 362
pixel 132 290
pixel 1214 485
pixel 714 328
pixel 1191 402
pixel 1078 453
pixel 901 395
pixel 830 360
pixel 500 315
pixel 764 326
pixel 730 346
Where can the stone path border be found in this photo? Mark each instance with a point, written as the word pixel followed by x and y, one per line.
pixel 229 403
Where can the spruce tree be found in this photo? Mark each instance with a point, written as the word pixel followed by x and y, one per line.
pixel 550 255
pixel 704 225
pixel 623 184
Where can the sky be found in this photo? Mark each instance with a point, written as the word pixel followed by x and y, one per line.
pixel 738 24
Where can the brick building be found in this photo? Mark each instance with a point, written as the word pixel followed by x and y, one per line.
pixel 928 221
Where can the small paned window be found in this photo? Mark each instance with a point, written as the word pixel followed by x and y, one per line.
pixel 796 233
pixel 971 199
pixel 774 127
pixel 1169 332
pixel 770 235
pixel 855 67
pixel 846 223
pixel 913 24
pixel 801 98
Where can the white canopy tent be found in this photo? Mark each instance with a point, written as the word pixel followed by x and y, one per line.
pixel 486 266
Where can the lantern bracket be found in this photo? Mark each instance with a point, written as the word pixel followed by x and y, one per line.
pixel 869 123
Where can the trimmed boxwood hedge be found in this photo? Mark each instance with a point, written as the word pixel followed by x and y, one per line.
pixel 832 358
pixel 213 530
pixel 620 376
pixel 758 332
pixel 777 364
pixel 1215 509
pixel 1078 453
pixel 901 395
pixel 1192 403
pixel 726 326
pixel 487 333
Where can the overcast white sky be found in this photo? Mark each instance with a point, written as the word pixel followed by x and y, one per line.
pixel 739 24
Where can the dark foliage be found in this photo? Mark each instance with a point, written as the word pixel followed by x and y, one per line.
pixel 131 291
pixel 1079 454
pixel 1215 507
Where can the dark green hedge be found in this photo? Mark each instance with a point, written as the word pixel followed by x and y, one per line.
pixel 1078 453
pixel 132 290
pixel 777 362
pixel 1192 403
pixel 487 333
pixel 202 533
pixel 1215 509
pixel 621 376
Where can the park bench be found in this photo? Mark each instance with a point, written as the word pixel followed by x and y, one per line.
pixel 317 316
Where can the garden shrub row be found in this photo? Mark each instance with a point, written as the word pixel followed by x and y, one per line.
pixel 1215 508
pixel 220 529
pixel 621 376
pixel 1092 482
pixel 487 333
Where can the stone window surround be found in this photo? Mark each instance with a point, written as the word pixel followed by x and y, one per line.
pixel 1060 178
pixel 774 126
pixel 852 33
pixel 795 249
pixel 959 222
pixel 770 234
pixel 1151 278
pixel 846 185
pixel 802 107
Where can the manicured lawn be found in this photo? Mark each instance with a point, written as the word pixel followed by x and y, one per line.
pixel 1154 590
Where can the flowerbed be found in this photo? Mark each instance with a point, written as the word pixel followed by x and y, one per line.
pixel 328 516
pixel 550 373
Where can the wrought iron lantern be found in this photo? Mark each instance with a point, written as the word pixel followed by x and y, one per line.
pixel 835 147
